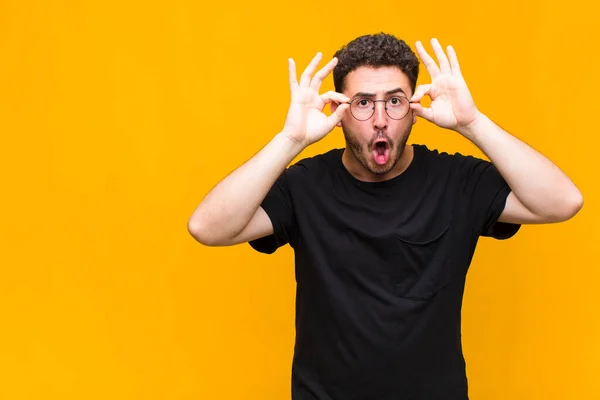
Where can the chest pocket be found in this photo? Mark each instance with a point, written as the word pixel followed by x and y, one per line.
pixel 418 266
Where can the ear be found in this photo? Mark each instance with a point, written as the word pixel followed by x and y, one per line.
pixel 414 117
pixel 333 106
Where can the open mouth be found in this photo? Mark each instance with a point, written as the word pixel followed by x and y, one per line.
pixel 381 151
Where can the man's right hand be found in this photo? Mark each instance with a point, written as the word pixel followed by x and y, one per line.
pixel 306 123
pixel 231 212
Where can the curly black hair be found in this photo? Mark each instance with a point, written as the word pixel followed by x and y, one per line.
pixel 378 50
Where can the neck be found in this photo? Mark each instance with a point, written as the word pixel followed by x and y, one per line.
pixel 357 170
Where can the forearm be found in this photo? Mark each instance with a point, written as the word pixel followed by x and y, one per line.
pixel 537 182
pixel 231 204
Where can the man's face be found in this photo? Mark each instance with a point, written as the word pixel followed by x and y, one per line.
pixel 378 142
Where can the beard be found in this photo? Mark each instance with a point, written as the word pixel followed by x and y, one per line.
pixel 366 159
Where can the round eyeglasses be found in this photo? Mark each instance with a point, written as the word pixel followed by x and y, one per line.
pixel 396 107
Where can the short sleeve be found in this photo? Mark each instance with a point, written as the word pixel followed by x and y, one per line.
pixel 279 207
pixel 486 192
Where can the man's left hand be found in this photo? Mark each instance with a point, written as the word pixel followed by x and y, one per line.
pixel 452 106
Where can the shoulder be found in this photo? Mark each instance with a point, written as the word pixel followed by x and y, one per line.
pixel 324 160
pixel 436 154
pixel 446 159
pixel 316 165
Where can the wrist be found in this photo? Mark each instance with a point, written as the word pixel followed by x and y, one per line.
pixel 291 142
pixel 474 128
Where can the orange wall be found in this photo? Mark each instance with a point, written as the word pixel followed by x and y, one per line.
pixel 117 117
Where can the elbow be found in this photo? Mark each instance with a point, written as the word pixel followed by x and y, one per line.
pixel 575 204
pixel 200 233
pixel 207 234
pixel 571 206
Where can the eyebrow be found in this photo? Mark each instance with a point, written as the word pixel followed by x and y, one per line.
pixel 364 94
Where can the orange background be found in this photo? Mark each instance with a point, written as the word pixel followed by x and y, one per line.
pixel 117 117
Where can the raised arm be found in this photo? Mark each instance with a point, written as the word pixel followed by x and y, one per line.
pixel 541 192
pixel 231 213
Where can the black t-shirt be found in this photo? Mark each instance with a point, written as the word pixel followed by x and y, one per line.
pixel 380 272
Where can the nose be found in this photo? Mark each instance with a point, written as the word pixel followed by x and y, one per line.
pixel 380 117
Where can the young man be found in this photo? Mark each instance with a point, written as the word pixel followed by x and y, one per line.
pixel 383 232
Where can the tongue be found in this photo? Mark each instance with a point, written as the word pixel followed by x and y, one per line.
pixel 381 155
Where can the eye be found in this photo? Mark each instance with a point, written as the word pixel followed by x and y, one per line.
pixel 363 103
pixel 395 101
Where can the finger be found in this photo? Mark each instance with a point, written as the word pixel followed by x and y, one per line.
pixel 431 66
pixel 334 96
pixel 454 61
pixel 292 72
pixel 337 115
pixel 320 76
pixel 441 56
pixel 421 91
pixel 422 112
pixel 310 69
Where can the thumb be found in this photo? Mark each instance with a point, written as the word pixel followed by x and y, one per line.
pixel 421 91
pixel 337 115
pixel 422 112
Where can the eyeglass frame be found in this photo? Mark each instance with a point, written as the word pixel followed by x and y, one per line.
pixel 378 101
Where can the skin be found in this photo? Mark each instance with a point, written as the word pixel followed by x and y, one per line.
pixel 361 135
pixel 541 192
pixel 231 212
